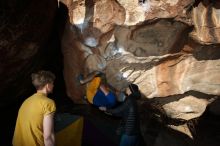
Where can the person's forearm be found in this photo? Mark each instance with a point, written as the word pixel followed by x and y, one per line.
pixel 104 89
pixel 50 141
pixel 119 109
pixel 86 80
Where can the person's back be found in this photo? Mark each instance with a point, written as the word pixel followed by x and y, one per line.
pixel 29 127
pixel 35 120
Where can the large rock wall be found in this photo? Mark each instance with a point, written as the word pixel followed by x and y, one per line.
pixel 168 48
pixel 206 21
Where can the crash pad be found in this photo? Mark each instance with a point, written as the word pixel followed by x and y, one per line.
pixel 68 129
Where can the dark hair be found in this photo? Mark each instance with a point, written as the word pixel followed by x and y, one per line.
pixel 41 78
pixel 135 90
pixel 103 77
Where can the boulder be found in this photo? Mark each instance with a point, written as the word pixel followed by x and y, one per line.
pixel 94 18
pixel 139 11
pixel 164 76
pixel 205 18
pixel 186 108
pixel 154 39
pixel 150 43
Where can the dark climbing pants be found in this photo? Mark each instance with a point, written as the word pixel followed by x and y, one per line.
pixel 127 140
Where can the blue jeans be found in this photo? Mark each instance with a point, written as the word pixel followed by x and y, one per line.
pixel 127 140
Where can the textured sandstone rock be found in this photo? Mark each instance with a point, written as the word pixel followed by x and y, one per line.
pixel 206 22
pixel 201 52
pixel 181 128
pixel 93 18
pixel 170 76
pixel 77 59
pixel 156 39
pixel 73 64
pixel 153 9
pixel 132 44
pixel 103 14
pixel 186 108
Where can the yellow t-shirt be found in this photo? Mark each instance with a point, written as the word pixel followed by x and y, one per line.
pixel 92 88
pixel 29 125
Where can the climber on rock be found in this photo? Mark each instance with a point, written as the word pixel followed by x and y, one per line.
pixel 98 92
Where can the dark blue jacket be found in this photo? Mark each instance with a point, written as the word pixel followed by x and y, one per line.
pixel 128 111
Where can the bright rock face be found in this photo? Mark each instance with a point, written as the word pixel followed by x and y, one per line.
pixel 161 77
pixel 206 18
pixel 186 108
pixel 152 9
pixel 94 18
pixel 147 43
